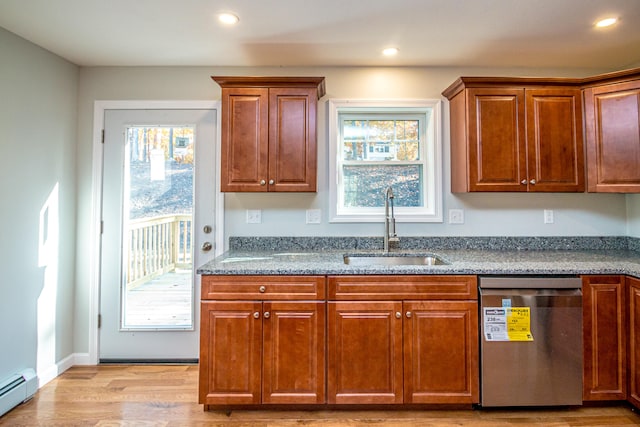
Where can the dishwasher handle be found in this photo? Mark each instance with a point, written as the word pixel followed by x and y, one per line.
pixel 551 282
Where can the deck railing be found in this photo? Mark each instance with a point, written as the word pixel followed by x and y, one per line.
pixel 155 246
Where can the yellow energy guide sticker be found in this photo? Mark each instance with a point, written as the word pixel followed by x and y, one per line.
pixel 519 324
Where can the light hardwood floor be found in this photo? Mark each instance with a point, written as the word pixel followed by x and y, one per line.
pixel 143 396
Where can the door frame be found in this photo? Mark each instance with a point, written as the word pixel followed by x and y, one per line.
pixel 96 194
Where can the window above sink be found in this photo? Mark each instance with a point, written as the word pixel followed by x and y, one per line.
pixel 379 143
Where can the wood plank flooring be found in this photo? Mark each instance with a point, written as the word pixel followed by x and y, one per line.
pixel 144 396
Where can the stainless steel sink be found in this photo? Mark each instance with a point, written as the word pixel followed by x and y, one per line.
pixel 375 259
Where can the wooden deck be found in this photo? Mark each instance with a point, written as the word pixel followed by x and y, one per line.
pixel 166 301
pixel 167 396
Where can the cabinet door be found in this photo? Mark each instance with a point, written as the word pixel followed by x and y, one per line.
pixel 634 341
pixel 364 352
pixel 554 140
pixel 294 357
pixel 441 352
pixel 497 140
pixel 245 133
pixel 604 338
pixel 612 116
pixel 292 139
pixel 230 353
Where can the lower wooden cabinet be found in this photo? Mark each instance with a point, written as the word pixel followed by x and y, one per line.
pixel 604 338
pixel 364 352
pixel 254 352
pixel 440 352
pixel 390 352
pixel 402 351
pixel 634 341
pixel 262 340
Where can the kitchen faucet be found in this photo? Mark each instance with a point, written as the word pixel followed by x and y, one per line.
pixel 389 220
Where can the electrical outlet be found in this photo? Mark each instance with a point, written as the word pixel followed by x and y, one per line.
pixel 548 216
pixel 254 216
pixel 314 216
pixel 456 216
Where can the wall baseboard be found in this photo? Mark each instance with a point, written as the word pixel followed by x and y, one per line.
pixel 54 371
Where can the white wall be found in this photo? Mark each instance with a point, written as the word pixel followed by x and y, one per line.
pixel 38 113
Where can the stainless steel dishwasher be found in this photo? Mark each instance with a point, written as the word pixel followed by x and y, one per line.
pixel 530 341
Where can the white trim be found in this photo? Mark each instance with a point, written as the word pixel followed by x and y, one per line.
pixel 431 213
pixel 96 191
pixel 57 369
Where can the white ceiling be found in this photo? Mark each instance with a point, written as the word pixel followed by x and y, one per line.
pixel 485 33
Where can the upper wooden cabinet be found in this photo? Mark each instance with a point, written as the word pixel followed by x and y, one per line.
pixel 269 133
pixel 515 135
pixel 612 114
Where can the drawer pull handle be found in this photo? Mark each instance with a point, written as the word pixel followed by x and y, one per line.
pixel 408 314
pixel 267 314
pixel 256 315
pixel 262 289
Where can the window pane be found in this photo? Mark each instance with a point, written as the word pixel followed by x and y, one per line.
pixel 381 140
pixel 364 185
pixel 158 208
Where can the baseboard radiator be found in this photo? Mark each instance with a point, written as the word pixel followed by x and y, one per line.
pixel 16 389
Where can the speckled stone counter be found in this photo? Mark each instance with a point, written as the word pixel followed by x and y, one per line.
pixel 462 255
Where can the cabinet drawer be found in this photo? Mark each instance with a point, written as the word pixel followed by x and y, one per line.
pixel 402 287
pixel 263 287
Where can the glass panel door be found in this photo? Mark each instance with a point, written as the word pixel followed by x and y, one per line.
pixel 158 197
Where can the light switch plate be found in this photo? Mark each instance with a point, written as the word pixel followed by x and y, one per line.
pixel 254 216
pixel 456 216
pixel 548 216
pixel 314 216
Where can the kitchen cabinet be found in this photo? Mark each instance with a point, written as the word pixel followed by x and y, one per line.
pixel 515 135
pixel 605 337
pixel 612 113
pixel 402 339
pixel 269 133
pixel 634 341
pixel 262 340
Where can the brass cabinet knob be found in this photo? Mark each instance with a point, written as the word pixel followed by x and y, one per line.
pixel 408 314
pixel 266 314
pixel 263 182
pixel 271 182
pixel 262 289
pixel 256 315
pixel 398 315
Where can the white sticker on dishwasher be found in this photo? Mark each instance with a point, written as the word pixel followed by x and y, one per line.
pixel 507 323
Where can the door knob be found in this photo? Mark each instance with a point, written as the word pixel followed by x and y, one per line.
pixel 206 247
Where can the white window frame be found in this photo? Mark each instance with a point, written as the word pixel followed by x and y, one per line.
pixel 431 153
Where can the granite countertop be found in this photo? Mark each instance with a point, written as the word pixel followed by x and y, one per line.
pixel 543 256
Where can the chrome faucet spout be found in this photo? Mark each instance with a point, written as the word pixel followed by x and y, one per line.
pixel 389 219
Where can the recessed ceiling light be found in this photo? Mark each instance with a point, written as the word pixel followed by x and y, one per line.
pixel 606 22
pixel 390 51
pixel 228 18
